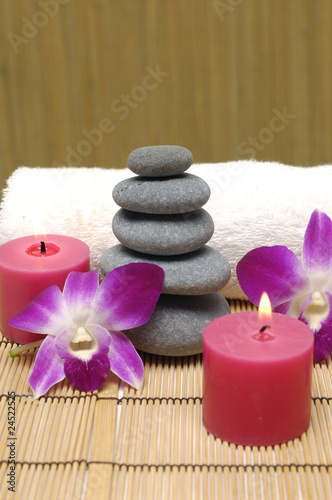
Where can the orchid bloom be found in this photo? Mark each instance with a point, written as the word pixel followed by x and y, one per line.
pixel 83 324
pixel 304 292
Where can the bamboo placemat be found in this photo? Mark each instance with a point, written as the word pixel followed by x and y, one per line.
pixel 118 443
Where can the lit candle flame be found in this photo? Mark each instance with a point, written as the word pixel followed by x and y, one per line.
pixel 38 226
pixel 264 308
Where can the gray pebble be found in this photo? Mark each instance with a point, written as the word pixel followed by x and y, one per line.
pixel 159 161
pixel 162 195
pixel 177 324
pixel 196 273
pixel 163 234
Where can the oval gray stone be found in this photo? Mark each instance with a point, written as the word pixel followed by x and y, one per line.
pixel 177 324
pixel 196 273
pixel 159 161
pixel 163 234
pixel 162 195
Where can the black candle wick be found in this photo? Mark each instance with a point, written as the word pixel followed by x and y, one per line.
pixel 42 247
pixel 264 328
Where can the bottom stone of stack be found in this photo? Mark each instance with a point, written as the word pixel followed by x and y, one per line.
pixel 177 324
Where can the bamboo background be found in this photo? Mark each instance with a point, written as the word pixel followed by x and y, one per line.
pixel 228 66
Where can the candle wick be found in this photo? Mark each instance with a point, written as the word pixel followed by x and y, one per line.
pixel 42 247
pixel 264 328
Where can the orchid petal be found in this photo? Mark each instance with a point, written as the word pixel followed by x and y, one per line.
pixel 294 307
pixel 323 343
pixel 283 308
pixel 46 314
pixel 305 304
pixel 317 247
pixel 127 296
pixel 62 344
pixel 323 338
pixel 316 310
pixel 275 270
pixel 87 371
pixel 48 368
pixel 78 292
pixel 87 376
pixel 125 361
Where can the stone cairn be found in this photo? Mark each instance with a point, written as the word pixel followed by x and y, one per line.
pixel 161 221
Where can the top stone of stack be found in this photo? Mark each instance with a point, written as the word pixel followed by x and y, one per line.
pixel 159 161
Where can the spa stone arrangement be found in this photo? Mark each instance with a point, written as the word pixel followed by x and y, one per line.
pixel 161 221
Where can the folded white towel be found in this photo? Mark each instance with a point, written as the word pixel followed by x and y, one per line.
pixel 252 204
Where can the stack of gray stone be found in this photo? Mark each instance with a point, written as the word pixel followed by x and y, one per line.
pixel 162 221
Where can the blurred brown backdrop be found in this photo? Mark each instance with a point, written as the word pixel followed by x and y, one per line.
pixel 86 82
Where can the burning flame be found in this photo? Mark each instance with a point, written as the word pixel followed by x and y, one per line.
pixel 38 226
pixel 264 308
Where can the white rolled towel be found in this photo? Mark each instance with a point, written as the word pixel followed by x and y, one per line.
pixel 252 203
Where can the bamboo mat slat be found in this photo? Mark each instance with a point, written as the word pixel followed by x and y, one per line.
pixel 119 443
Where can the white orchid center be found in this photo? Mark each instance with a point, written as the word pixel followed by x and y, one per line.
pixel 317 310
pixel 83 345
pixel 318 299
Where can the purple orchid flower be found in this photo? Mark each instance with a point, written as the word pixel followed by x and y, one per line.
pixel 83 324
pixel 304 292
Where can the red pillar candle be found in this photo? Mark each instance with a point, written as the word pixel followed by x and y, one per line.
pixel 257 378
pixel 28 266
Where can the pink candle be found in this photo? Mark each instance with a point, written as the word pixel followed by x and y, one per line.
pixel 257 378
pixel 28 266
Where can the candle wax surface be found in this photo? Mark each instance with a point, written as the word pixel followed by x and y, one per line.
pixel 36 250
pixel 257 385
pixel 25 272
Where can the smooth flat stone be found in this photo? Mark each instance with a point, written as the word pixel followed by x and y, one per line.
pixel 163 234
pixel 177 324
pixel 162 195
pixel 159 161
pixel 195 273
